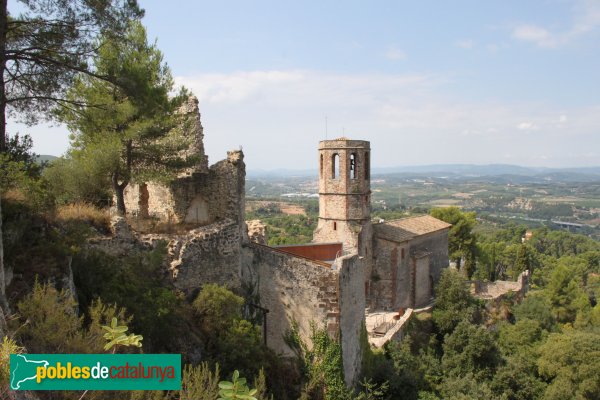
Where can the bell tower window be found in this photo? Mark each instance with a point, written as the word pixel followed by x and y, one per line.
pixel 321 166
pixel 335 165
pixel 353 166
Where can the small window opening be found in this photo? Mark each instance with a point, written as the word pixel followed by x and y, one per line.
pixel 402 254
pixel 321 166
pixel 334 226
pixel 335 162
pixel 367 166
pixel 353 173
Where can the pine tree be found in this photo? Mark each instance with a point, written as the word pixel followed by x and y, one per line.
pixel 132 126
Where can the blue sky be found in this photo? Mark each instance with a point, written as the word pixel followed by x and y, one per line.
pixel 426 82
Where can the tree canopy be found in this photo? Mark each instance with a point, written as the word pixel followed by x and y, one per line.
pixel 130 130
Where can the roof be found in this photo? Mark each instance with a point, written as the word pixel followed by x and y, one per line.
pixel 404 229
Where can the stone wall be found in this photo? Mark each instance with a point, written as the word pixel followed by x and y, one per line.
pixel 390 279
pixel 403 273
pixel 422 281
pixel 198 199
pixel 352 313
pixel 292 288
pixel 435 243
pixel 497 289
pixel 298 289
pixel 209 254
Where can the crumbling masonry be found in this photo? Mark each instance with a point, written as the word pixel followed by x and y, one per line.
pixel 353 268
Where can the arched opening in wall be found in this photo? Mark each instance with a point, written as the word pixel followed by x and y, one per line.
pixel 144 196
pixel 321 166
pixel 367 166
pixel 334 226
pixel 402 254
pixel 335 165
pixel 197 212
pixel 353 163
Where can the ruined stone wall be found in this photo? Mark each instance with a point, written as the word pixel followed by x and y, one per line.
pixel 497 289
pixel 390 279
pixel 199 199
pixel 298 289
pixel 209 254
pixel 352 313
pixel 292 289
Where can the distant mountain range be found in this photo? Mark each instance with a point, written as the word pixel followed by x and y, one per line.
pixel 45 158
pixel 457 171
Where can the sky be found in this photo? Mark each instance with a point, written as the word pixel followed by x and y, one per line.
pixel 426 82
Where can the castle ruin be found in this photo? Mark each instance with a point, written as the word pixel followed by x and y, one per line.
pixel 353 268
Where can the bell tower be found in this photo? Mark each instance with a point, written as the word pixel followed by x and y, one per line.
pixel 344 194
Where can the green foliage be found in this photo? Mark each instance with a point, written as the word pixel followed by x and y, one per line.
pixel 238 344
pixel 50 324
pixel 521 337
pixel 565 295
pixel 470 349
pixel 535 307
pixel 461 239
pixel 321 365
pixel 372 391
pixel 50 321
pixel 260 384
pixel 19 166
pixel 571 361
pixel 408 374
pixel 50 42
pixel 466 387
pixel 115 336
pixel 236 389
pixel 200 382
pixel 217 306
pixel 454 303
pixel 518 379
pixel 131 134
pixel 135 282
pixel 7 347
pixel 78 178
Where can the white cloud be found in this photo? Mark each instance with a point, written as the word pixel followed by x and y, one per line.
pixel 279 117
pixel 538 35
pixel 585 20
pixel 527 126
pixel 394 53
pixel 465 44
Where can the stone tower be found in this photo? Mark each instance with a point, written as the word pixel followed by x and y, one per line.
pixel 345 194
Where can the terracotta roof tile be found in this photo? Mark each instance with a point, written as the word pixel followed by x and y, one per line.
pixel 404 229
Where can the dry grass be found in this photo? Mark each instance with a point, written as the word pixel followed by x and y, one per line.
pixel 16 195
pixel 84 212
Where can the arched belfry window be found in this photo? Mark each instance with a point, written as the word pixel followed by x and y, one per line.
pixel 353 166
pixel 367 166
pixel 335 165
pixel 321 166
